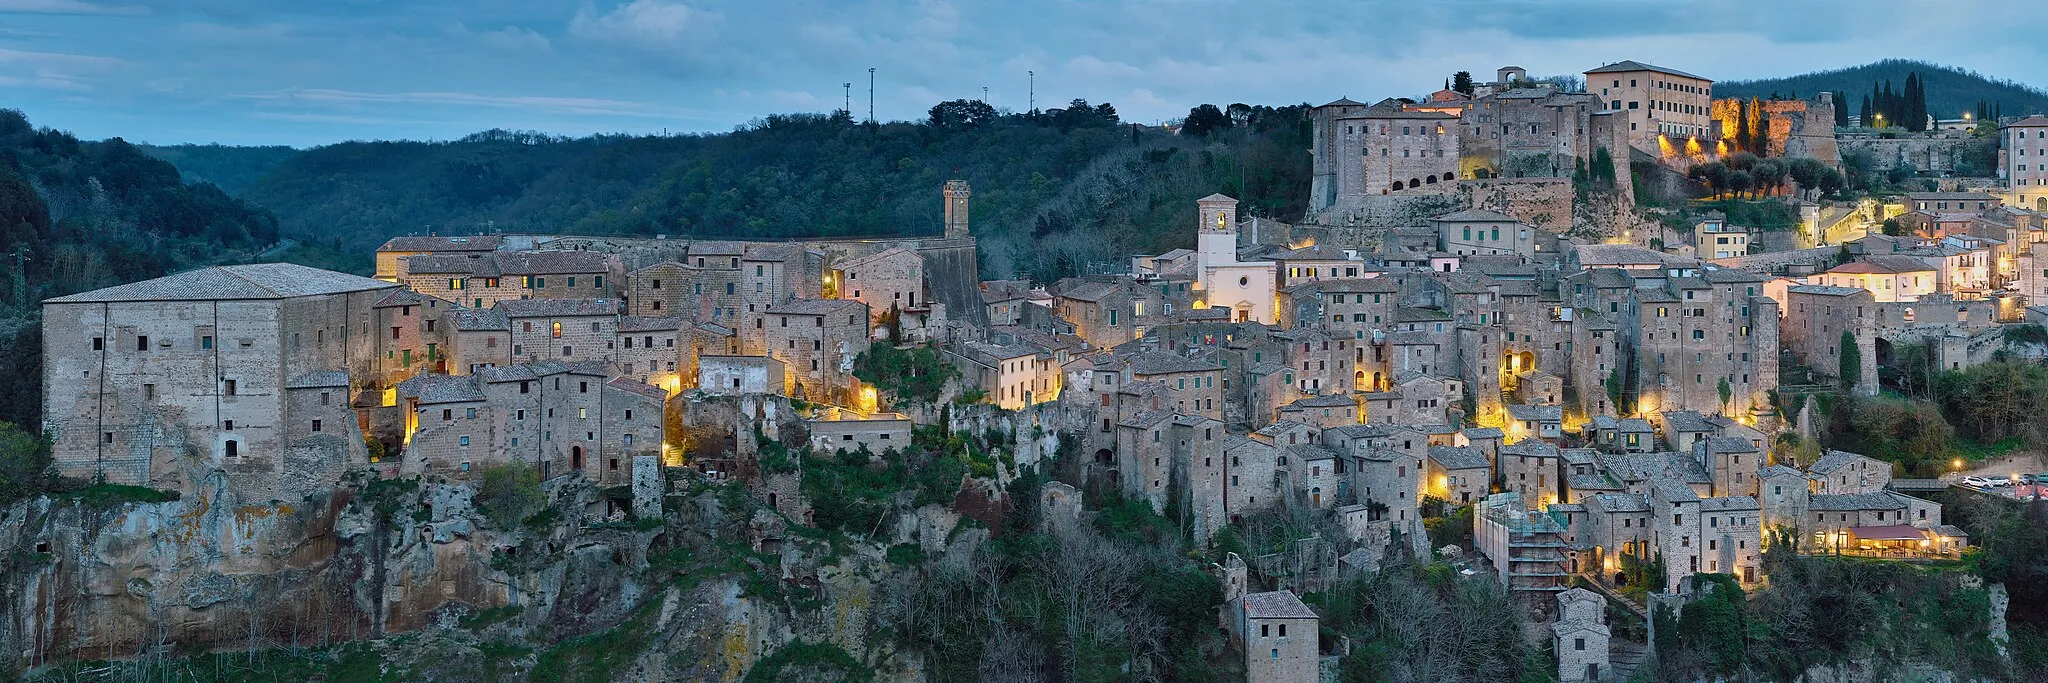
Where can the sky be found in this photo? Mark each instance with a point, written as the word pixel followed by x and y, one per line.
pixel 311 72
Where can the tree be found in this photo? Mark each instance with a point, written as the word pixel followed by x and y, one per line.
pixel 1462 82
pixel 24 464
pixel 1864 114
pixel 510 493
pixel 1740 181
pixel 1203 120
pixel 1759 129
pixel 1850 371
pixel 1841 109
pixel 961 113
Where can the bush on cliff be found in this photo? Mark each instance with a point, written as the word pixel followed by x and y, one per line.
pixel 24 464
pixel 509 494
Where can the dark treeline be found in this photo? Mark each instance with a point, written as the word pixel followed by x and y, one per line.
pixel 1054 190
pixel 1947 92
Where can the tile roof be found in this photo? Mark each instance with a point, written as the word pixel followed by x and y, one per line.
pixel 1835 460
pixel 1673 490
pixel 1276 605
pixel 1458 457
pixel 441 243
pixel 481 320
pixel 1849 502
pixel 431 388
pixel 816 307
pixel 318 380
pixel 1522 411
pixel 1628 65
pixel 1728 503
pixel 642 389
pixel 1161 362
pixel 639 323
pixel 1618 502
pixel 551 308
pixel 250 281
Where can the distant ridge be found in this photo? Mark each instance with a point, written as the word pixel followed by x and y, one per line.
pixel 1950 91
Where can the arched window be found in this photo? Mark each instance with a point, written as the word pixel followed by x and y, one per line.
pixel 1412 182
pixel 1397 186
pixel 1450 176
pixel 1430 180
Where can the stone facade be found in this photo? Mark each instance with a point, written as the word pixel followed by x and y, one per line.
pixel 164 382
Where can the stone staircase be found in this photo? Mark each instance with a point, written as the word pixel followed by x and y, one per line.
pixel 1624 659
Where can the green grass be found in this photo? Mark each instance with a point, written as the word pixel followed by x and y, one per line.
pixel 111 495
pixel 482 619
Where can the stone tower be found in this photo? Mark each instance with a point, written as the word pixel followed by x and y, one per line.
pixel 956 207
pixel 1216 236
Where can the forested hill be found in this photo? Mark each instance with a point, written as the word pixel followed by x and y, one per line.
pixel 1950 91
pixel 232 169
pixel 82 215
pixel 1053 192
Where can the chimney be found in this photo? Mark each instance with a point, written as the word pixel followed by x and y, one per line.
pixel 956 207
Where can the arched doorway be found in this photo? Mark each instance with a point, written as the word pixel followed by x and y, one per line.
pixel 2041 203
pixel 1315 497
pixel 575 457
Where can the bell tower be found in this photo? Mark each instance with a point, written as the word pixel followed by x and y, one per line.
pixel 956 207
pixel 1216 237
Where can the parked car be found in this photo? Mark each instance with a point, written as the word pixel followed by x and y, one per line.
pixel 1980 482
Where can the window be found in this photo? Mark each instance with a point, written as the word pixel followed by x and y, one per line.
pixel 99 343
pixel 142 343
pixel 229 389
pixel 316 425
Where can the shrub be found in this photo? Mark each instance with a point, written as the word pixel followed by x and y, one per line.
pixel 510 494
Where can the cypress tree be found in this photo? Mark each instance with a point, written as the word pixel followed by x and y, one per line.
pixel 1865 112
pixel 1741 125
pixel 1841 108
pixel 1759 129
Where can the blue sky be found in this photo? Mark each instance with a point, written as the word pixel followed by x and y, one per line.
pixel 307 72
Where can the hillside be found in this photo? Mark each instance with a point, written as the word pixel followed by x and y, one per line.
pixel 93 214
pixel 1052 192
pixel 232 169
pixel 1950 91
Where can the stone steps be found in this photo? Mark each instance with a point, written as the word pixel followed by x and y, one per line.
pixel 1624 658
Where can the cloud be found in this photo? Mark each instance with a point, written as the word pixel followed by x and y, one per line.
pixel 509 38
pixel 54 70
pixel 659 25
pixel 586 106
pixel 67 7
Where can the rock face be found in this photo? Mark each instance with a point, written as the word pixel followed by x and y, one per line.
pixel 398 564
pixel 210 571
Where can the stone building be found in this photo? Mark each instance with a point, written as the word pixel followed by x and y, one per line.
pixel 1364 151
pixel 2023 161
pixel 1580 636
pixel 1244 288
pixel 234 370
pixel 1523 129
pixel 413 331
pixel 1277 634
pixel 662 290
pixel 650 350
pixel 1664 107
pixel 397 248
pixel 723 375
pixel 568 330
pixel 1816 318
pixel 891 279
pixel 836 429
pixel 481 280
pixel 1480 232
pixel 817 340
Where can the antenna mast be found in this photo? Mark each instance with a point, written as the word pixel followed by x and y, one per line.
pixel 871 94
pixel 847 103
